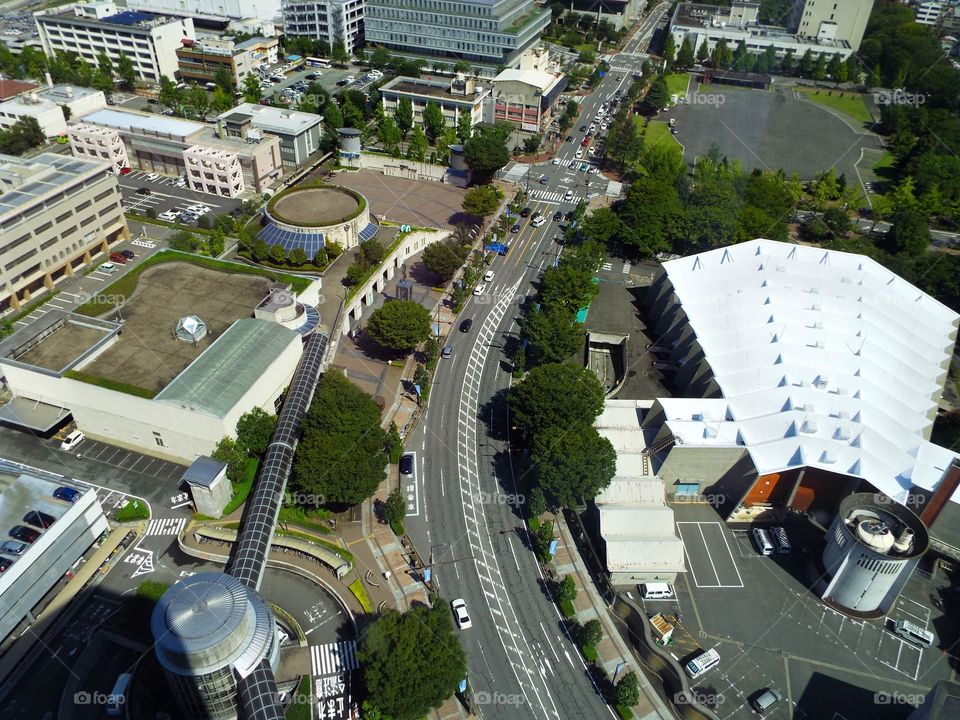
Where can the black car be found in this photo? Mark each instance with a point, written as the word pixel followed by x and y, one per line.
pixel 568 216
pixel 558 215
pixel 569 138
pixel 39 519
pixel 5 563
pixel 128 254
pixel 406 464
pixel 341 83
pixel 144 191
pixel 515 228
pixel 583 128
pixel 466 325
pixel 312 76
pixel 23 533
pixel 525 212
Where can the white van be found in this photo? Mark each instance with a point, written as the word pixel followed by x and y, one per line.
pixel 540 220
pixel 656 591
pixel 913 633
pixel 702 663
pixel 118 696
pixel 107 267
pixel 762 541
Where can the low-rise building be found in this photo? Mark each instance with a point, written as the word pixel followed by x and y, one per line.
pixel 206 155
pixel 87 29
pixel 56 214
pixel 299 132
pixel 12 88
pixel 74 101
pixel 619 13
pixel 49 115
pixel 199 60
pixel 211 9
pixel 462 94
pixel 526 97
pixel 333 21
pixel 928 13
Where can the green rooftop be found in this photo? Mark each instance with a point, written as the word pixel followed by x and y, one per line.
pixel 216 380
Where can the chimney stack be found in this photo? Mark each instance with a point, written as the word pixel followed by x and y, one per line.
pixel 49 80
pixel 941 496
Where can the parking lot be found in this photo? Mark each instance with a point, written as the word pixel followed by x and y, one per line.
pixel 772 631
pixel 165 195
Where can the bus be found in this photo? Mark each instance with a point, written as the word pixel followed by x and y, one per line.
pixel 317 62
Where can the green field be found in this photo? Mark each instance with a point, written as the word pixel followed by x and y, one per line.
pixel 849 103
pixel 659 133
pixel 677 83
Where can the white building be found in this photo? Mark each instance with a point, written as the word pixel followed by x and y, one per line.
pixel 928 13
pixel 149 40
pixel 213 171
pixel 333 21
pixel 48 114
pixel 526 97
pixel 453 97
pixel 299 132
pixel 74 101
pixel 841 20
pixel 215 9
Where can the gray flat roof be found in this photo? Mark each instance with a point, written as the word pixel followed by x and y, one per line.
pixel 274 119
pixel 203 471
pixel 123 120
pixel 41 175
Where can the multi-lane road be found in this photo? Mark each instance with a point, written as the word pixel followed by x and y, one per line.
pixel 522 663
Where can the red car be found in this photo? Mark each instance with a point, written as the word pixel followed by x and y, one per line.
pixel 118 258
pixel 126 170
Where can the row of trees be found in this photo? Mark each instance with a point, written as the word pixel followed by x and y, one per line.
pixel 68 67
pixel 23 135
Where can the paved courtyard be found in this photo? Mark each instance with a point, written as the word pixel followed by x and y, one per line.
pixel 770 130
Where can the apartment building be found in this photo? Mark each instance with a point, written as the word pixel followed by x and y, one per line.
pixel 458 95
pixel 526 97
pixel 489 32
pixel 213 9
pixel 333 21
pixel 49 115
pixel 56 214
pixel 204 154
pixel 837 20
pixel 149 40
pixel 299 132
pixel 199 60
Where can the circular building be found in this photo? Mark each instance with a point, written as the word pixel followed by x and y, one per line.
pixel 210 631
pixel 310 216
pixel 871 548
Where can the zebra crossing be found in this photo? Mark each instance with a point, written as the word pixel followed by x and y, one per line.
pixel 547 195
pixel 166 526
pixel 333 658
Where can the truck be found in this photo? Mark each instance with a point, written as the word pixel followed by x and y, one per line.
pixel 498 248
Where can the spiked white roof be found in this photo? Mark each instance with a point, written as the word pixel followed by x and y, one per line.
pixel 824 359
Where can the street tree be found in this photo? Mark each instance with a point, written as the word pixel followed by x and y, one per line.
pixel 567 286
pixel 626 693
pixel 670 50
pixel 486 152
pixel 573 463
pixel 591 633
pixel 441 259
pixel 341 456
pixel 126 71
pixel 251 89
pixel 222 101
pixel 482 201
pixel 464 126
pixel 433 121
pixel 419 145
pixel 418 645
pixel 389 134
pixel 400 325
pixel 198 99
pixel 339 53
pixel 658 96
pixel 554 335
pixel 556 395
pixel 685 57
pixel 254 430
pixel 403 114
pixel 223 79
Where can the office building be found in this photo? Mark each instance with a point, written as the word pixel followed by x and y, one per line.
pixel 526 97
pixel 73 101
pixel 49 115
pixel 56 213
pixel 205 154
pixel 832 20
pixel 27 498
pixel 454 96
pixel 619 13
pixel 87 29
pixel 211 9
pixel 487 32
pixel 333 21
pixel 299 132
pixel 199 60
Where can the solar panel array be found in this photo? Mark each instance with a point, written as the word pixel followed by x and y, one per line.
pixel 249 556
pixel 368 232
pixel 310 240
pixel 258 696
pixel 310 321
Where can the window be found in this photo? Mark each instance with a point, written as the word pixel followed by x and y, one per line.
pixel 158 439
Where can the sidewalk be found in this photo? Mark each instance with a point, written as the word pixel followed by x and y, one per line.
pixel 613 652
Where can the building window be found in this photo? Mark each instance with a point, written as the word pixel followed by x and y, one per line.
pixel 158 439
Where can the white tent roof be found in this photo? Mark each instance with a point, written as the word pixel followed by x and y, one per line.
pixel 824 359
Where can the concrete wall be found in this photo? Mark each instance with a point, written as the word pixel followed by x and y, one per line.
pixel 398 167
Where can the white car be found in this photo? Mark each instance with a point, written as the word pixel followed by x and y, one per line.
pixel 579 153
pixel 459 607
pixel 569 196
pixel 168 215
pixel 556 161
pixel 480 289
pixel 488 276
pixel 153 176
pixel 199 209
pixel 72 440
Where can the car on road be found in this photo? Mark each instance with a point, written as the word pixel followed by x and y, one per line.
pixel 525 212
pixel 24 534
pixel 558 216
pixel 584 167
pixel 568 196
pixel 107 267
pixel 67 494
pixel 556 161
pixel 459 607
pixel 569 138
pixel 488 276
pixel 406 464
pixel 447 351
pixel 39 519
pixel 766 700
pixel 544 179
pixel 466 325
pixel 13 547
pixel 579 153
pixel 480 289
pixel 583 128
pixel 515 228
pixel 153 176
pixel 74 438
pixel 568 216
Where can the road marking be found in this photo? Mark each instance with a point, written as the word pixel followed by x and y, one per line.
pixel 165 526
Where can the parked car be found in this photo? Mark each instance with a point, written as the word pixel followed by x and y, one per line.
pixel 169 215
pixel 39 519
pixel 466 325
pixel 144 191
pixel 766 700
pixel 459 607
pixel 128 254
pixel 118 258
pixel 583 128
pixel 447 351
pixel 406 464
pixel 155 176
pixel 107 267
pixel 126 170
pixel 67 494
pixel 24 534
pixel 13 547
pixel 5 563
pixel 488 276
pixel 73 439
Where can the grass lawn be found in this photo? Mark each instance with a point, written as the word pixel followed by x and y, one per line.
pixel 659 133
pixel 849 103
pixel 302 706
pixel 360 593
pixel 242 489
pixel 677 83
pixel 133 510
pixel 887 161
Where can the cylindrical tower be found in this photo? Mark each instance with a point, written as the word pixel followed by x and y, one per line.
pixel 350 140
pixel 871 548
pixel 210 631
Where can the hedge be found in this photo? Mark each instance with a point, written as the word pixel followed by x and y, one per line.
pixel 567 608
pixel 360 593
pixel 624 712
pixel 361 204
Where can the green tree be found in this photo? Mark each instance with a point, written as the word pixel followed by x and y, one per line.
pixel 126 71
pixel 807 64
pixel 222 100
pixel 838 221
pixel 567 286
pixel 464 126
pixel 254 430
pixel 379 58
pixel 670 50
pixel 199 100
pixel 626 693
pixel 482 201
pixel 277 254
pixel 722 55
pixel 400 325
pixel 216 241
pixel 554 335
pixel 261 251
pixel 788 64
pixel 297 257
pixel 573 463
pixel 441 259
pixel 590 633
pixel 685 57
pixel 536 503
pixel 251 89
pixel 433 121
pixel 418 145
pixel 909 232
pixel 23 135
pixel 486 152
pixel 703 53
pixel 403 115
pixel 819 68
pixel 105 64
pixel 332 118
pixel 462 66
pixel 658 96
pixel 388 133
pixel 418 644
pixel 339 53
pixel 556 395
pixel 341 456
pixel 224 80
pixel 229 452
pixel 395 509
pixel 168 95
pixel 567 589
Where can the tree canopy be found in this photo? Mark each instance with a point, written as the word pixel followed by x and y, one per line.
pixel 482 201
pixel 573 462
pixel 556 395
pixel 486 152
pixel 254 430
pixel 400 325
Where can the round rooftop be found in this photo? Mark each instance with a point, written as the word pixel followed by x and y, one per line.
pixel 314 207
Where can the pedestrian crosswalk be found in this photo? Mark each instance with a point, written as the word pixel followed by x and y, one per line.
pixel 166 526
pixel 547 195
pixel 333 658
